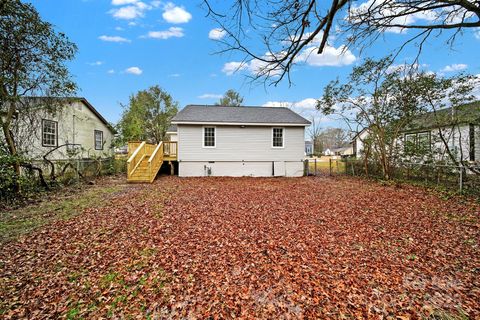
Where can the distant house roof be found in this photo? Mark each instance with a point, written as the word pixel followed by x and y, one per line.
pixel 40 100
pixel 172 128
pixel 340 149
pixel 467 113
pixel 308 143
pixel 199 114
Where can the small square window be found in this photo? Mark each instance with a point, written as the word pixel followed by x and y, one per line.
pixel 277 137
pixel 49 133
pixel 209 137
pixel 98 140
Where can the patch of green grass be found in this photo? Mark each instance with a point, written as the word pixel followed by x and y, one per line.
pixel 108 279
pixel 412 257
pixel 24 220
pixel 443 315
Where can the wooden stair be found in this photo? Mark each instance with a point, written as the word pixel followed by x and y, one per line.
pixel 146 160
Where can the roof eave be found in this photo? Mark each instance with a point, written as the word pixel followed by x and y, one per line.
pixel 219 123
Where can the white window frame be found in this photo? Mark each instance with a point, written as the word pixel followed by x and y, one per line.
pixel 51 134
pixel 214 137
pixel 95 139
pixel 283 137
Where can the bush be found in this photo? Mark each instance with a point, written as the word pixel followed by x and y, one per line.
pixel 10 182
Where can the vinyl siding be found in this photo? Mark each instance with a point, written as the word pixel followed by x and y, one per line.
pixel 233 143
pixel 76 124
pixel 238 169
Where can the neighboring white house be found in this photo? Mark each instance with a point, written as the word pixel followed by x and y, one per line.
pixel 240 141
pixel 172 133
pixel 339 152
pixel 75 129
pixel 460 128
pixel 309 148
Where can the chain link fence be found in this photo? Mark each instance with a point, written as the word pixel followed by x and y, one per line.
pixel 455 178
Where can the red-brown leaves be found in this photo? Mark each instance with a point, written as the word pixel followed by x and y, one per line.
pixel 251 248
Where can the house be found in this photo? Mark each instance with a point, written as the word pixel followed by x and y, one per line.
pixel 240 141
pixel 358 142
pixel 62 128
pixel 309 148
pixel 459 127
pixel 226 141
pixel 172 133
pixel 339 152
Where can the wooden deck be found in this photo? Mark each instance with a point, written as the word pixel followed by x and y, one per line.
pixel 146 159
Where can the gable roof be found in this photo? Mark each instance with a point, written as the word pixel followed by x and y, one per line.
pixel 204 114
pixel 464 114
pixel 38 101
pixel 172 128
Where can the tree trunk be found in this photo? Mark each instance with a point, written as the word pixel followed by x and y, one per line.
pixel 13 152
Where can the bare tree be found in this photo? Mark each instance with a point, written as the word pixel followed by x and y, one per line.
pixel 314 132
pixel 275 35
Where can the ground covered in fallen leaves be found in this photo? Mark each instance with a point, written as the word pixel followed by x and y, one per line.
pixel 274 248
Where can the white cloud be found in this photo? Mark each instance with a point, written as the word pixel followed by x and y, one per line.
pixel 331 56
pixel 210 96
pixel 175 14
pixel 305 104
pixel 380 11
pixel 113 39
pixel 476 33
pixel 137 10
pixel 230 68
pixel 111 71
pixel 134 70
pixel 306 108
pixel 165 34
pixel 119 28
pixel 217 34
pixel 174 75
pixel 96 63
pixel 454 67
pixel 123 2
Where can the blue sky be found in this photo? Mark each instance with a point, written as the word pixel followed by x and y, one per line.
pixel 129 45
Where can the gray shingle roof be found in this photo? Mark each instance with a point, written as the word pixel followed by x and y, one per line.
pixel 219 114
pixel 466 113
pixel 172 128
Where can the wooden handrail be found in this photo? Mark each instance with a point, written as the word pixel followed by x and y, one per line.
pixel 134 154
pixel 155 161
pixel 134 161
pixel 155 151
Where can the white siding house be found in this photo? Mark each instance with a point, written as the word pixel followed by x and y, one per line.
pixel 240 141
pixel 459 127
pixel 73 128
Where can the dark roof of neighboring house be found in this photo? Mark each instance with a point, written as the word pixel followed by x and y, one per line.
pixel 172 128
pixel 340 149
pixel 463 114
pixel 39 100
pixel 243 114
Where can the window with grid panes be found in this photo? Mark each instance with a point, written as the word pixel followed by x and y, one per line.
pixel 98 140
pixel 277 137
pixel 209 136
pixel 49 133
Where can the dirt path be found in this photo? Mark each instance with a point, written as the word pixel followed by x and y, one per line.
pixel 251 248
